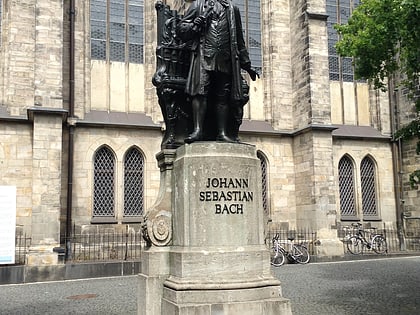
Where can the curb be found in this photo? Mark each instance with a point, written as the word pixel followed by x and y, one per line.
pixel 351 257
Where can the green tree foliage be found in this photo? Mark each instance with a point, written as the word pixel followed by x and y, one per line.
pixel 383 37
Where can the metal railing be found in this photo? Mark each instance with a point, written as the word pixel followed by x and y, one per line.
pixel 410 237
pixel 126 244
pixel 22 243
pixel 105 245
pixel 393 237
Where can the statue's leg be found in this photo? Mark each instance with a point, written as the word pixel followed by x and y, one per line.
pixel 223 115
pixel 199 108
pixel 222 122
pixel 237 115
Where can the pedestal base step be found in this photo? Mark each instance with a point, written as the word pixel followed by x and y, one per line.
pixel 266 301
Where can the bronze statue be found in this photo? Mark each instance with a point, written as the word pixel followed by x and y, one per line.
pixel 198 77
pixel 218 54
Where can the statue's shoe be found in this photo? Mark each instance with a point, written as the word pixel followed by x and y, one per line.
pixel 224 138
pixel 195 136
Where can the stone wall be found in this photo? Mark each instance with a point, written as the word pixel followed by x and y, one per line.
pixel 277 70
pixel 411 162
pixel 16 168
pixel 315 199
pixel 46 178
pixel 281 176
pixel 380 152
pixel 410 159
pixel 48 68
pixel 119 140
pixel 18 55
pixel 300 64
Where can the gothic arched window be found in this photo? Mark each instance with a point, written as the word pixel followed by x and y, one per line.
pixel 264 186
pixel 133 183
pixel 104 183
pixel 346 182
pixel 368 185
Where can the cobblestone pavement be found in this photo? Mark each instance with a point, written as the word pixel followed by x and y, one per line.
pixel 380 286
pixel 374 287
pixel 105 296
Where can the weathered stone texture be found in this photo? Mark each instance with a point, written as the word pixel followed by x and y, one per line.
pixel 48 53
pixel 16 168
pixel 87 141
pixel 46 178
pixel 381 154
pixel 18 47
pixel 277 71
pixel 300 64
pixel 311 97
pixel 411 160
pixel 319 72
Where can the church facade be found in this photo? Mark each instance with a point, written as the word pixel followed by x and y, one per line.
pixel 80 125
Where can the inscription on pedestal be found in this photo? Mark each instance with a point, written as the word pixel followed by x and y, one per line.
pixel 230 194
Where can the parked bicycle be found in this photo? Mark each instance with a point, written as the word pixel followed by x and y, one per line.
pixel 357 242
pixel 297 253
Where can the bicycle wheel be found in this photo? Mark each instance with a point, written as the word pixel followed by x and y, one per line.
pixel 354 245
pixel 301 254
pixel 277 257
pixel 379 244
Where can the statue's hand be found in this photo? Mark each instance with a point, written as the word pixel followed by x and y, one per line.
pixel 253 74
pixel 199 21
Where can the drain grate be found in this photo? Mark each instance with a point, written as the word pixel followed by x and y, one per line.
pixel 82 296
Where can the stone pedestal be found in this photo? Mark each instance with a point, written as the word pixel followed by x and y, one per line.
pixel 218 263
pixel 154 271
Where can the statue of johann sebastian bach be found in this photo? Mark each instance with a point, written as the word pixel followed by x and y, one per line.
pixel 218 54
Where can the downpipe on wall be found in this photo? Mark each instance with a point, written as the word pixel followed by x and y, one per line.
pixel 71 124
